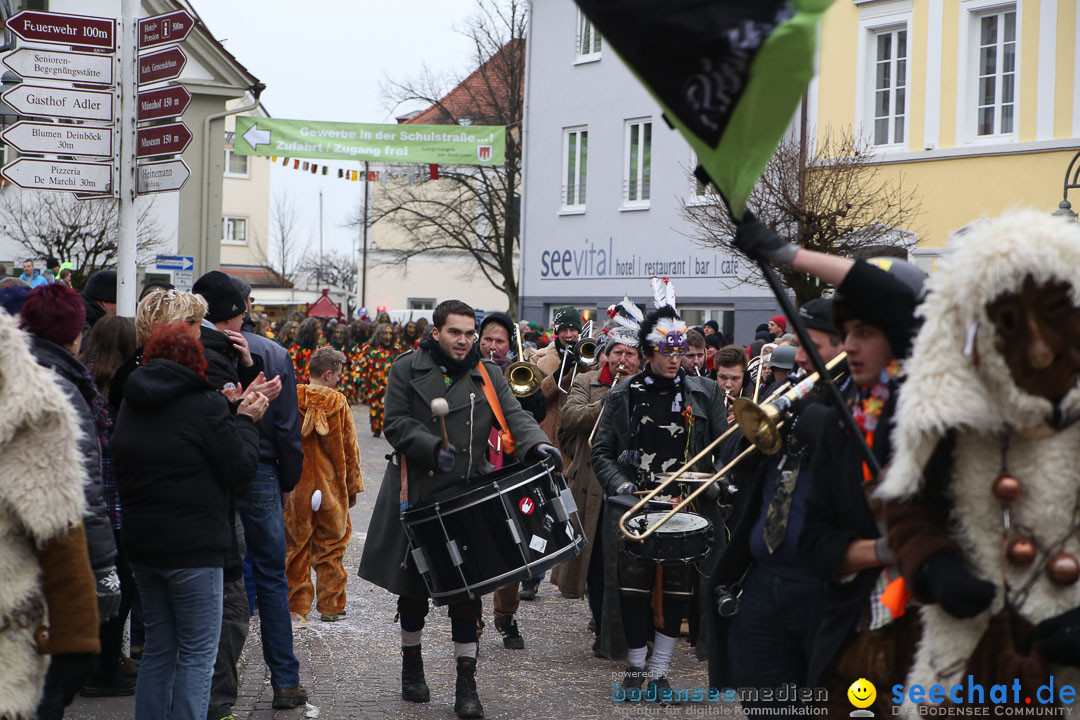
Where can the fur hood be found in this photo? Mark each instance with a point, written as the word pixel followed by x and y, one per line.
pixel 317 406
pixel 980 398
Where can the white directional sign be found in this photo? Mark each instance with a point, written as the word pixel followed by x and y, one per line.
pixel 60 175
pixel 45 101
pixel 256 137
pixel 61 65
pixel 162 176
pixel 55 139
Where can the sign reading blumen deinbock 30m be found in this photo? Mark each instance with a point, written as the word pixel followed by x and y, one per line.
pixel 427 144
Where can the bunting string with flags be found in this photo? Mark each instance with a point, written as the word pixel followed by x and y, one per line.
pixel 728 74
pixel 410 173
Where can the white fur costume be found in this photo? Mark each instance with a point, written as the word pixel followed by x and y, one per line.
pixel 41 497
pixel 945 390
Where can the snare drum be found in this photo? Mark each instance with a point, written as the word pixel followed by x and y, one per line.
pixel 499 529
pixel 685 538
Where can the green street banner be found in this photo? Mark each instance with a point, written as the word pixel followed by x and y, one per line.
pixel 426 144
pixel 728 74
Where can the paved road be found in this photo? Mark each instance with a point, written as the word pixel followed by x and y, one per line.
pixel 351 668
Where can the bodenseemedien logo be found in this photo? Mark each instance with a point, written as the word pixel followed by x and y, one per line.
pixel 862 695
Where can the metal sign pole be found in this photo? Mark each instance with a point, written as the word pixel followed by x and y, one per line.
pixel 363 279
pixel 126 261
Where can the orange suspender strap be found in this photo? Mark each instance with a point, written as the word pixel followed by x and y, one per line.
pixel 508 442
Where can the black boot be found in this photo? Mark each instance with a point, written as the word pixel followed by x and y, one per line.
pixel 634 678
pixel 466 701
pixel 508 628
pixel 413 686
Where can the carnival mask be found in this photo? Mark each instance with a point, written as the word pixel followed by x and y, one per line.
pixel 1038 335
pixel 673 344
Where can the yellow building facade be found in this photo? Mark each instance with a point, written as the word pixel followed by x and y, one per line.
pixel 974 103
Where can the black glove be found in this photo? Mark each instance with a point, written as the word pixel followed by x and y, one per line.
pixel 948 582
pixel 626 488
pixel 444 459
pixel 713 491
pixel 546 451
pixel 1060 636
pixel 761 243
pixel 107 584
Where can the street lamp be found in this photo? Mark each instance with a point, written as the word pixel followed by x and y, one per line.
pixel 1065 207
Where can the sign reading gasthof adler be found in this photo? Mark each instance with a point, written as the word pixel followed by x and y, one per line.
pixel 426 144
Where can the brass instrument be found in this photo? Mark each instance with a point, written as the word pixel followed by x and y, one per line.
pixel 767 348
pixel 618 374
pixel 763 422
pixel 522 377
pixel 584 353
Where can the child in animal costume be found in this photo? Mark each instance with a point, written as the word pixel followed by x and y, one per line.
pixel 317 523
pixel 983 495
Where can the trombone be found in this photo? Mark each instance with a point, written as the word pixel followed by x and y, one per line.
pixel 618 375
pixel 522 377
pixel 763 424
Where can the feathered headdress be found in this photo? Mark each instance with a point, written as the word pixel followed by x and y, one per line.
pixel 663 328
pixel 626 313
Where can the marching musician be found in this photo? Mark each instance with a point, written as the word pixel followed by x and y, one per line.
pixel 447 366
pixel 567 323
pixel 579 417
pixel 653 423
pixel 694 360
pixel 769 602
pixel 496 330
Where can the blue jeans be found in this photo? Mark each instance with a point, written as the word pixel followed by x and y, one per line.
pixel 772 635
pixel 182 610
pixel 264 530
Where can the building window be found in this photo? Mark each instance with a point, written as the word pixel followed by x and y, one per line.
pixel 699 191
pixel 890 86
pixel 575 165
pixel 995 104
pixel 236 165
pixel 234 231
pixel 421 304
pixel 588 40
pixel 636 190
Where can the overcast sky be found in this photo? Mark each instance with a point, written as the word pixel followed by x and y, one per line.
pixel 325 60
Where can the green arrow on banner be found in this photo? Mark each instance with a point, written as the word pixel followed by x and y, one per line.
pixel 425 144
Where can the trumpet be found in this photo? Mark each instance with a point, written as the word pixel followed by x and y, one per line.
pixel 762 359
pixel 585 354
pixel 762 424
pixel 614 382
pixel 522 377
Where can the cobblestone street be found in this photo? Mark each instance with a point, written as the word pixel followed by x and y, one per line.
pixel 351 668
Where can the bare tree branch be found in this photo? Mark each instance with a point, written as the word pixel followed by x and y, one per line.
pixel 847 206
pixel 286 250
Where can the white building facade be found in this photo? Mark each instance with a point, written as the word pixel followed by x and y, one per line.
pixel 605 180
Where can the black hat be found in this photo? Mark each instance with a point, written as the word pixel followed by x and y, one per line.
pixel 241 286
pixel 155 285
pixel 817 315
pixel 900 278
pixel 51 262
pixel 714 340
pixel 223 300
pixel 101 286
pixel 500 318
pixel 713 324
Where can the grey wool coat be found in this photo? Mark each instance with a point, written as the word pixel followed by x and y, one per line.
pixel 415 380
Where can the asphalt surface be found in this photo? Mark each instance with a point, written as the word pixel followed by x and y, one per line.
pixel 351 668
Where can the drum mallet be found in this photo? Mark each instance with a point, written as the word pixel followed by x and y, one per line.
pixel 440 409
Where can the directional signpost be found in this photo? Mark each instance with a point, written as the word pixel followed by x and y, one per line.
pixel 93 86
pixel 164 65
pixel 60 175
pixel 175 262
pixel 165 29
pixel 43 64
pixel 55 139
pixel 77 30
pixel 162 176
pixel 49 101
pixel 167 102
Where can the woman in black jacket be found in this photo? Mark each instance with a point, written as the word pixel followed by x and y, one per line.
pixel 178 451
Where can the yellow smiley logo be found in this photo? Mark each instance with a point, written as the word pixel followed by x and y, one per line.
pixel 862 693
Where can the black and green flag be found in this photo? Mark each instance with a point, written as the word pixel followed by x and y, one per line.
pixel 729 74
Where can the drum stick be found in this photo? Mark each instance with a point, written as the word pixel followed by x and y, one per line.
pixel 440 409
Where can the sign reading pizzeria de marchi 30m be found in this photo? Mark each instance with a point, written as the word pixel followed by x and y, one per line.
pixel 427 144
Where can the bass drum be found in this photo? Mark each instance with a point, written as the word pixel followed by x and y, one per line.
pixel 496 530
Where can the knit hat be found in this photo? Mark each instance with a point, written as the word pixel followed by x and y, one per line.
pixel 244 288
pixel 55 313
pixel 499 318
pixel 622 335
pixel 713 324
pixel 567 317
pixel 817 315
pixel 779 320
pixel 13 297
pixel 51 262
pixel 101 286
pixel 899 327
pixel 223 300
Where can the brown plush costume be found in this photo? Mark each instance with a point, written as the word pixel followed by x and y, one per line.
pixel 331 466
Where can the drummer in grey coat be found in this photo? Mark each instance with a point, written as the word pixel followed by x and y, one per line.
pixel 446 366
